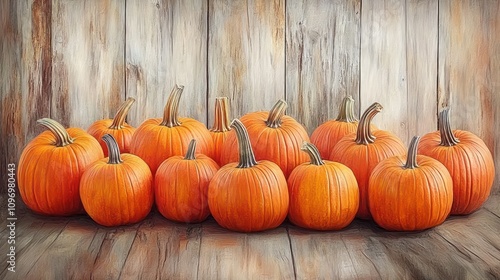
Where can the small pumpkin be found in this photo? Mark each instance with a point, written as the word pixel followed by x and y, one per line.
pixel 181 186
pixel 363 150
pixel 468 160
pixel 329 133
pixel 273 136
pixel 155 140
pixel 412 195
pixel 51 166
pixel 248 195
pixel 324 195
pixel 221 128
pixel 121 131
pixel 117 190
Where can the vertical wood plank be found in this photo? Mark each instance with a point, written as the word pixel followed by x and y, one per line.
pixel 322 58
pixel 469 69
pixel 246 54
pixel 166 44
pixel 88 60
pixel 383 63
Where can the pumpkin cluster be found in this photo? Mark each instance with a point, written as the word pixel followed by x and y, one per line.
pixel 253 172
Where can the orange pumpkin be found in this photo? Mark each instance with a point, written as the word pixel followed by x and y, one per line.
pixel 329 133
pixel 273 136
pixel 117 190
pixel 250 195
pixel 468 160
pixel 155 140
pixel 363 150
pixel 181 186
pixel 221 128
pixel 51 166
pixel 324 195
pixel 410 196
pixel 121 131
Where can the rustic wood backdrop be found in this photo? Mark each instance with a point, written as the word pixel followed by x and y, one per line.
pixel 76 61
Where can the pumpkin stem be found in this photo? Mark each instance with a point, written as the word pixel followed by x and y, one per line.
pixel 120 116
pixel 447 137
pixel 346 112
pixel 113 149
pixel 221 122
pixel 247 157
pixel 191 150
pixel 411 157
pixel 364 135
pixel 313 153
pixel 276 113
pixel 170 113
pixel 62 136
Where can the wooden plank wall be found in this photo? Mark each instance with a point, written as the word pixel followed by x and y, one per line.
pixel 75 61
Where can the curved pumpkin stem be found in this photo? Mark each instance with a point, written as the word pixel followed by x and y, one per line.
pixel 247 157
pixel 276 113
pixel 62 136
pixel 447 137
pixel 113 149
pixel 313 153
pixel 170 113
pixel 346 112
pixel 191 150
pixel 221 122
pixel 364 135
pixel 411 157
pixel 120 116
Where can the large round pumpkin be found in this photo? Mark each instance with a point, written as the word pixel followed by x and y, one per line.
pixel 324 195
pixel 468 160
pixel 51 166
pixel 248 195
pixel 363 150
pixel 155 140
pixel 121 131
pixel 181 186
pixel 409 193
pixel 117 190
pixel 221 127
pixel 273 136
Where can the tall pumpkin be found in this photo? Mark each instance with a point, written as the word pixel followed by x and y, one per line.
pixel 412 195
pixel 273 136
pixel 155 140
pixel 468 160
pixel 51 166
pixel 324 195
pixel 121 131
pixel 363 150
pixel 117 190
pixel 181 186
pixel 221 127
pixel 329 133
pixel 248 195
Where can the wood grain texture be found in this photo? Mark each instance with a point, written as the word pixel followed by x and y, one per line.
pixel 383 63
pixel 469 67
pixel 87 60
pixel 246 54
pixel 230 255
pixel 322 58
pixel 166 44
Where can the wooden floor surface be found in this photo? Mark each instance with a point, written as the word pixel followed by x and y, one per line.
pixel 465 247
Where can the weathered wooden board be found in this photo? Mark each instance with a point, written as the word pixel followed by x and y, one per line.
pixel 166 44
pixel 469 67
pixel 246 54
pixel 229 255
pixel 322 58
pixel 87 60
